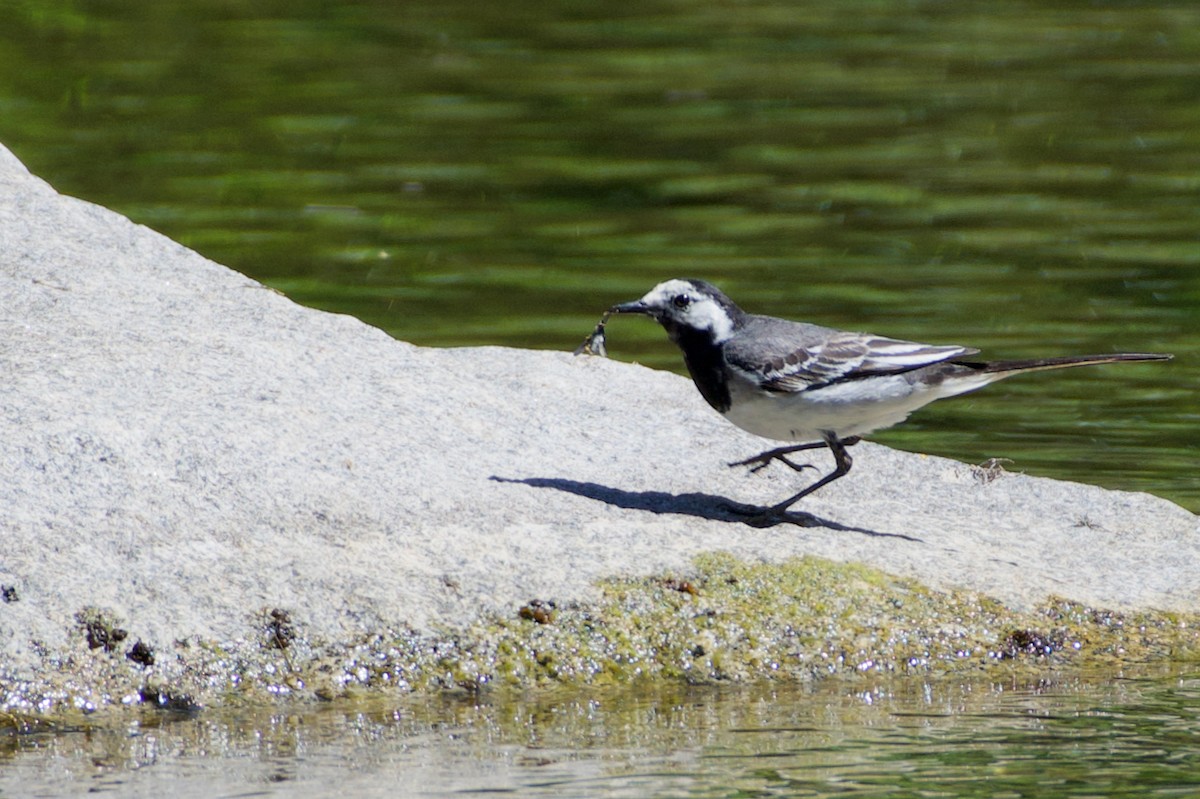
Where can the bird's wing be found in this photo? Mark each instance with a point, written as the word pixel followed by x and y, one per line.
pixel 791 356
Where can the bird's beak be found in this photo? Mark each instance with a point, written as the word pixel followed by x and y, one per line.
pixel 637 306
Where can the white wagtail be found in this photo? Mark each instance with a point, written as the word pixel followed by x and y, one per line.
pixel 807 384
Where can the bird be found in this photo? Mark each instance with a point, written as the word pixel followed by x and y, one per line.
pixel 812 386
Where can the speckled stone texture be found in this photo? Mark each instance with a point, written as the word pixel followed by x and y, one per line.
pixel 182 447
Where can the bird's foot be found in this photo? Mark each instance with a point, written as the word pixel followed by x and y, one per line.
pixel 758 516
pixel 760 462
pixel 753 515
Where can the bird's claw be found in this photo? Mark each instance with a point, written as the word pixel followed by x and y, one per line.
pixel 760 462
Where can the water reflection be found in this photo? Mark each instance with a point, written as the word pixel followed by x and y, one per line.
pixel 1109 735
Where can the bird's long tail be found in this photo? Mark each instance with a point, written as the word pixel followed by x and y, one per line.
pixel 1007 368
pixel 950 378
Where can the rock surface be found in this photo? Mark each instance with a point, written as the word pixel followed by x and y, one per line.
pixel 184 447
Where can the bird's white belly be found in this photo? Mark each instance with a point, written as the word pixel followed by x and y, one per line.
pixel 852 408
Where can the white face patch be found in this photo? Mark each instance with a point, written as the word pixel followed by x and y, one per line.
pixel 684 303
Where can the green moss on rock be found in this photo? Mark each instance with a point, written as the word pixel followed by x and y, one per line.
pixel 724 620
pixel 802 619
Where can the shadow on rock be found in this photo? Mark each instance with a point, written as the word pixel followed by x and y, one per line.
pixel 705 506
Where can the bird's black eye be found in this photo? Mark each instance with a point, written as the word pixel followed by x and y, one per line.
pixel 681 301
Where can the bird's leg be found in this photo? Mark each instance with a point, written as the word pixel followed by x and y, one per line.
pixel 764 459
pixel 842 464
pixel 766 517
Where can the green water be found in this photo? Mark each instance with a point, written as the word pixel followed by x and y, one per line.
pixel 1020 177
pixel 1117 736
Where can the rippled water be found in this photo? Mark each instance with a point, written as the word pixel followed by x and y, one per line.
pixel 1111 736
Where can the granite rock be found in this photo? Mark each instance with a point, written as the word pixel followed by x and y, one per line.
pixel 184 447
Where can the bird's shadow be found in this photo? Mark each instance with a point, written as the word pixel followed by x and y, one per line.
pixel 705 506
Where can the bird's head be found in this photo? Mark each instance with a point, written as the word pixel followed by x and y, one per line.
pixel 687 307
